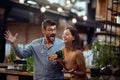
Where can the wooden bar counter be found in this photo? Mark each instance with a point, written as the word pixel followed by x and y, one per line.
pixel 6 74
pixel 14 75
pixel 9 74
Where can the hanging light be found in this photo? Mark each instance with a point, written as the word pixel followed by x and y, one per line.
pixel 47 6
pixel 72 0
pixel 68 2
pixel 43 9
pixel 98 30
pixel 21 1
pixel 74 20
pixel 31 2
pixel 85 18
pixel 59 9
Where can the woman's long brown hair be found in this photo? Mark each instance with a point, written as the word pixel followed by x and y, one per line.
pixel 76 43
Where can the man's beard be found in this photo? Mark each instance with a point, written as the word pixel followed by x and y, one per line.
pixel 51 38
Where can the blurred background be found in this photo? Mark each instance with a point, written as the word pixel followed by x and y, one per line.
pixel 97 21
pixel 25 16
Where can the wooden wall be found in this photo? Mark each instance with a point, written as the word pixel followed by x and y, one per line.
pixel 27 32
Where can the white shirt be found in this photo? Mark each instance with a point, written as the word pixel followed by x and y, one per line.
pixel 88 57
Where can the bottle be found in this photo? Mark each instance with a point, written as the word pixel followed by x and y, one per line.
pixel 59 54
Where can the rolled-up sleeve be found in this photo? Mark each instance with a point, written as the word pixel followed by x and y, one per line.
pixel 23 53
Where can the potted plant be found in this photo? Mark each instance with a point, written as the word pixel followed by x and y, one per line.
pixel 102 57
pixel 30 64
pixel 95 69
pixel 11 56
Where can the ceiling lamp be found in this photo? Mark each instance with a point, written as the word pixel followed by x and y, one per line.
pixel 21 1
pixel 59 9
pixel 68 2
pixel 85 18
pixel 47 6
pixel 53 1
pixel 73 1
pixel 74 20
pixel 98 30
pixel 42 9
pixel 31 2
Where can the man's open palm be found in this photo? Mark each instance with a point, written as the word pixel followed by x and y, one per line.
pixel 10 37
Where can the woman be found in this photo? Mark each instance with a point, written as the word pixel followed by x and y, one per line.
pixel 72 55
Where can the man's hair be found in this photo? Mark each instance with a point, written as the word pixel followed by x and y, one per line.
pixel 48 22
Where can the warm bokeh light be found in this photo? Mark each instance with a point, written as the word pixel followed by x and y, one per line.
pixel 59 9
pixel 43 9
pixel 74 20
pixel 85 18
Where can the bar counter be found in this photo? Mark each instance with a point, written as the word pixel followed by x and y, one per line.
pixel 10 74
pixel 6 74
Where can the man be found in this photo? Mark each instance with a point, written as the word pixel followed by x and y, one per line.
pixel 40 49
pixel 88 55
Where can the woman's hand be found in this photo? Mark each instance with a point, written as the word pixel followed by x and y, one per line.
pixel 65 70
pixel 71 71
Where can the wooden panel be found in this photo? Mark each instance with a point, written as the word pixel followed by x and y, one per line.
pixel 116 7
pixel 101 10
pixel 109 2
pixel 12 77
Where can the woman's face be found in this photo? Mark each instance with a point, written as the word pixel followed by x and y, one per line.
pixel 67 36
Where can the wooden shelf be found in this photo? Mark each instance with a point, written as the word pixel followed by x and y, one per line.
pixel 110 22
pixel 116 13
pixel 107 12
pixel 106 33
pixel 113 10
pixel 15 72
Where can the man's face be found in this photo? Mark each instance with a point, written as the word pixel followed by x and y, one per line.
pixel 50 33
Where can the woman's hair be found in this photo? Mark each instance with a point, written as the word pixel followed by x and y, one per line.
pixel 48 22
pixel 76 43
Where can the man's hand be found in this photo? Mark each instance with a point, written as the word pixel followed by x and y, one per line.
pixel 10 37
pixel 52 57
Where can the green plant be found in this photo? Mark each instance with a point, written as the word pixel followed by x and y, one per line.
pixel 103 54
pixel 30 64
pixel 12 56
pixel 118 53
